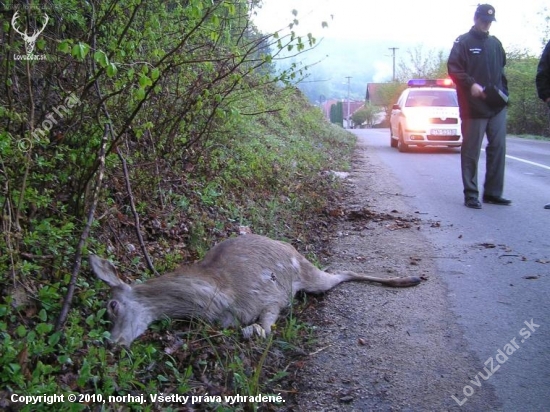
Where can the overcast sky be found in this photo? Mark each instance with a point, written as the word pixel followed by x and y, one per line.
pixel 434 23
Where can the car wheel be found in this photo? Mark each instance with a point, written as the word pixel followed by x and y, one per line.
pixel 393 142
pixel 401 145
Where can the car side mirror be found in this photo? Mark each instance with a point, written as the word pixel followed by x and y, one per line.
pixel 395 107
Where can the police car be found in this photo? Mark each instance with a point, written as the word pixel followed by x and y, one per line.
pixel 426 114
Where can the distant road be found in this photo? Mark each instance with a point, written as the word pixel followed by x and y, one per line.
pixel 495 261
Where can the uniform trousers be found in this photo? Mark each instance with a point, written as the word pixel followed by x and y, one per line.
pixel 473 131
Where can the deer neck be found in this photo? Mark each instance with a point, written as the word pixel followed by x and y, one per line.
pixel 181 297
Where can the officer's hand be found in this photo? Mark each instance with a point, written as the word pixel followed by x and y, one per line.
pixel 477 91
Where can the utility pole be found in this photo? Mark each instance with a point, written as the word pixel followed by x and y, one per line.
pixel 393 49
pixel 348 77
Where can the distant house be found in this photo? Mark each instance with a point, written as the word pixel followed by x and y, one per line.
pixel 353 106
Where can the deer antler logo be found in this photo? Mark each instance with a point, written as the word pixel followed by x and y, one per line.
pixel 30 41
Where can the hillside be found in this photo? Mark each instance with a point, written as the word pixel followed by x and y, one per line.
pixel 147 147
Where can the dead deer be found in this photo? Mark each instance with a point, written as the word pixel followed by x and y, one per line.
pixel 240 281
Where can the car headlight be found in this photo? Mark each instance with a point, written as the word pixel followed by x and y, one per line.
pixel 416 122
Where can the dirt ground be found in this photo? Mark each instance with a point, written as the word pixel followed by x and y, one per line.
pixel 384 349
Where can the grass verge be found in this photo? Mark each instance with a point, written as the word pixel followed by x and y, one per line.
pixel 263 172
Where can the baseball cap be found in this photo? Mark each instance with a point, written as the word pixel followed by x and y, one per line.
pixel 485 12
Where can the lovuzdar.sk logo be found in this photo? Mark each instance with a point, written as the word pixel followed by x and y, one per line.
pixel 30 40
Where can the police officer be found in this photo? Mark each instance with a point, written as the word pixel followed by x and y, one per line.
pixel 476 65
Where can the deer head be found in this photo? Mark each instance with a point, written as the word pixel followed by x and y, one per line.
pixel 30 41
pixel 129 317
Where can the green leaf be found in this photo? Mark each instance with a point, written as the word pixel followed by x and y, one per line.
pixel 140 93
pixel 64 359
pixel 43 315
pixel 15 367
pixel 111 70
pixel 155 73
pixel 31 337
pixel 230 8
pixel 85 373
pixel 41 44
pixel 101 58
pixel 145 81
pixel 21 331
pixel 53 339
pixel 80 50
pixel 64 46
pixel 43 328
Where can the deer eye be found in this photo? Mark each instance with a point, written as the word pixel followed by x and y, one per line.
pixel 113 307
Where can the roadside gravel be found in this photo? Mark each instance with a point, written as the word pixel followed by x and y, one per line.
pixel 384 349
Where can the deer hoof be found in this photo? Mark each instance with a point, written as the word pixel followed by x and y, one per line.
pixel 252 330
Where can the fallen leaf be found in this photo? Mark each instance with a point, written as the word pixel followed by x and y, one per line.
pixel 23 358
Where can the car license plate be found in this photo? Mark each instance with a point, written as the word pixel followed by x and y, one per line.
pixel 443 132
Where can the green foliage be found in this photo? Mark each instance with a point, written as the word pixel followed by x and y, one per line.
pixel 527 114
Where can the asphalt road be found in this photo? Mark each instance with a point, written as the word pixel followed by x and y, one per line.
pixel 494 261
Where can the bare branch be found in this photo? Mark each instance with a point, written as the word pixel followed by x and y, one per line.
pixel 84 236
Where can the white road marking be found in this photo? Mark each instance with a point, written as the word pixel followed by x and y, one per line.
pixel 519 159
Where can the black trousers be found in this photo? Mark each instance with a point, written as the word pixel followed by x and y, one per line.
pixel 473 131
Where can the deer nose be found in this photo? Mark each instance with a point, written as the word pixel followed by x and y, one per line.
pixel 118 339
pixel 122 341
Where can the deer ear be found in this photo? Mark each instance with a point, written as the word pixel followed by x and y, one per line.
pixel 106 271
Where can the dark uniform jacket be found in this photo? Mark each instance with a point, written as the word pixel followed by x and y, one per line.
pixel 543 74
pixel 477 57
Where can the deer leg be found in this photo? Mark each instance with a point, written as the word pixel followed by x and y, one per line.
pixel 267 319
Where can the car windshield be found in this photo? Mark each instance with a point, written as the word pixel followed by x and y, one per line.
pixel 432 98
